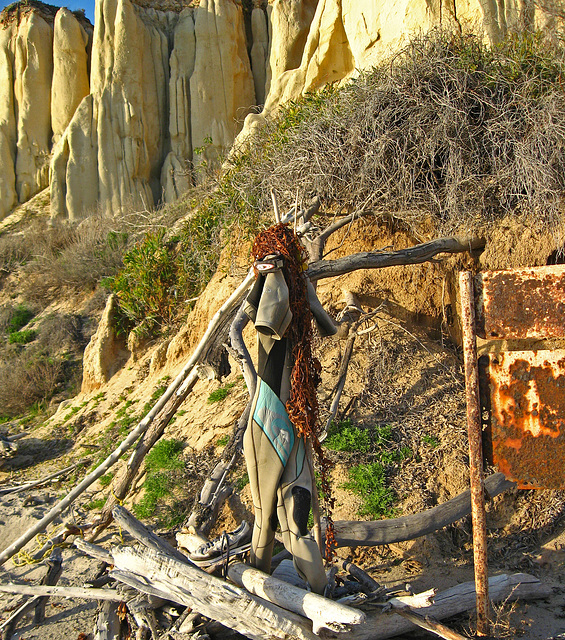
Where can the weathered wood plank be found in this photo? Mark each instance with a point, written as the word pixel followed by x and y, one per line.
pixel 232 606
pixel 374 533
pixel 324 613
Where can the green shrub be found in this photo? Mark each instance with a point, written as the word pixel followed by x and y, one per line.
pixel 20 317
pixel 22 337
pixel 369 482
pixel 346 437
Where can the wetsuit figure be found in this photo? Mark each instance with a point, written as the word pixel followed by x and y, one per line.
pixel 279 474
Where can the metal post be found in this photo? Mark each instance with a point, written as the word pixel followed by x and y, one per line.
pixel 474 431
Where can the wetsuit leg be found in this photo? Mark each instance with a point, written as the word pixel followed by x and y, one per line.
pixel 293 509
pixel 267 445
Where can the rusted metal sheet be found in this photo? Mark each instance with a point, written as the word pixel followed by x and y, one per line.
pixel 528 417
pixel 522 303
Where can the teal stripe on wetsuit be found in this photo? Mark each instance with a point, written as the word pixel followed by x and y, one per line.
pixel 270 414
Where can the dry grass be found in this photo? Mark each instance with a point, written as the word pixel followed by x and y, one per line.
pixel 447 130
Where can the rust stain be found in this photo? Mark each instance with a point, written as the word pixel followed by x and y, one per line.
pixel 528 417
pixel 522 303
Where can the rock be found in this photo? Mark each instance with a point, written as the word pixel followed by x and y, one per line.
pixel 33 70
pixel 176 172
pixel 8 195
pixel 70 70
pixel 106 353
pixel 218 108
pixel 290 22
pixel 259 53
pixel 159 358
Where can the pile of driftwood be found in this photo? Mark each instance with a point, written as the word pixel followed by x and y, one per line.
pixel 169 597
pixel 158 588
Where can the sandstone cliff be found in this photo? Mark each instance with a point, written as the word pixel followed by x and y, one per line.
pixel 123 115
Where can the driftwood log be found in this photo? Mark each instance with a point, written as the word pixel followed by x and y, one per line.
pixel 352 533
pixel 324 613
pixel 37 603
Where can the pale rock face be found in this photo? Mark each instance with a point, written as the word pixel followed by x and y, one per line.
pixel 327 57
pixel 33 69
pixel 221 86
pixel 105 354
pixel 149 109
pixel 289 26
pixel 8 195
pixel 259 53
pixel 176 171
pixel 70 70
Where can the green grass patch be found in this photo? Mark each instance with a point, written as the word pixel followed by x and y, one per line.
pixel 222 441
pixel 369 482
pixel 431 441
pixel 220 394
pixel 242 481
pixel 106 479
pixel 22 337
pixel 164 465
pixel 20 317
pixel 344 436
pixel 95 504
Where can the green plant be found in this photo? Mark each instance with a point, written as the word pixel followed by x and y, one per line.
pixel 106 479
pixel 20 317
pixel 343 436
pixel 242 481
pixel 431 441
pixel 368 481
pixel 164 465
pixel 222 441
pixel 98 503
pixel 166 454
pixel 22 337
pixel 220 394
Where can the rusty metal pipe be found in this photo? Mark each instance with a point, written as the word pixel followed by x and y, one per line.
pixel 474 431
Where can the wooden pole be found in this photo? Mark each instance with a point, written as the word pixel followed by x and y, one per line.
pixel 140 429
pixel 324 613
pixel 475 450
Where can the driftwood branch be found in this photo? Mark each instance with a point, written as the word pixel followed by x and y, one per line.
pixel 356 534
pixel 324 613
pixel 428 623
pixel 55 567
pixel 122 482
pixel 63 592
pixel 37 483
pixel 108 624
pixel 142 534
pixel 379 259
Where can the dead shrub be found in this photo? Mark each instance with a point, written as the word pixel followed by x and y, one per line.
pixel 448 131
pixel 15 251
pixel 26 381
pixel 75 257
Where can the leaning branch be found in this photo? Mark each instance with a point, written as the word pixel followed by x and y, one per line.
pixel 176 385
pixel 379 259
pixel 380 532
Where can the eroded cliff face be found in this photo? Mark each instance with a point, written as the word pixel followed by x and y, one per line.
pixel 122 116
pixel 37 97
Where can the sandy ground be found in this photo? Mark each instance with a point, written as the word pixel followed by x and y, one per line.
pixel 418 563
